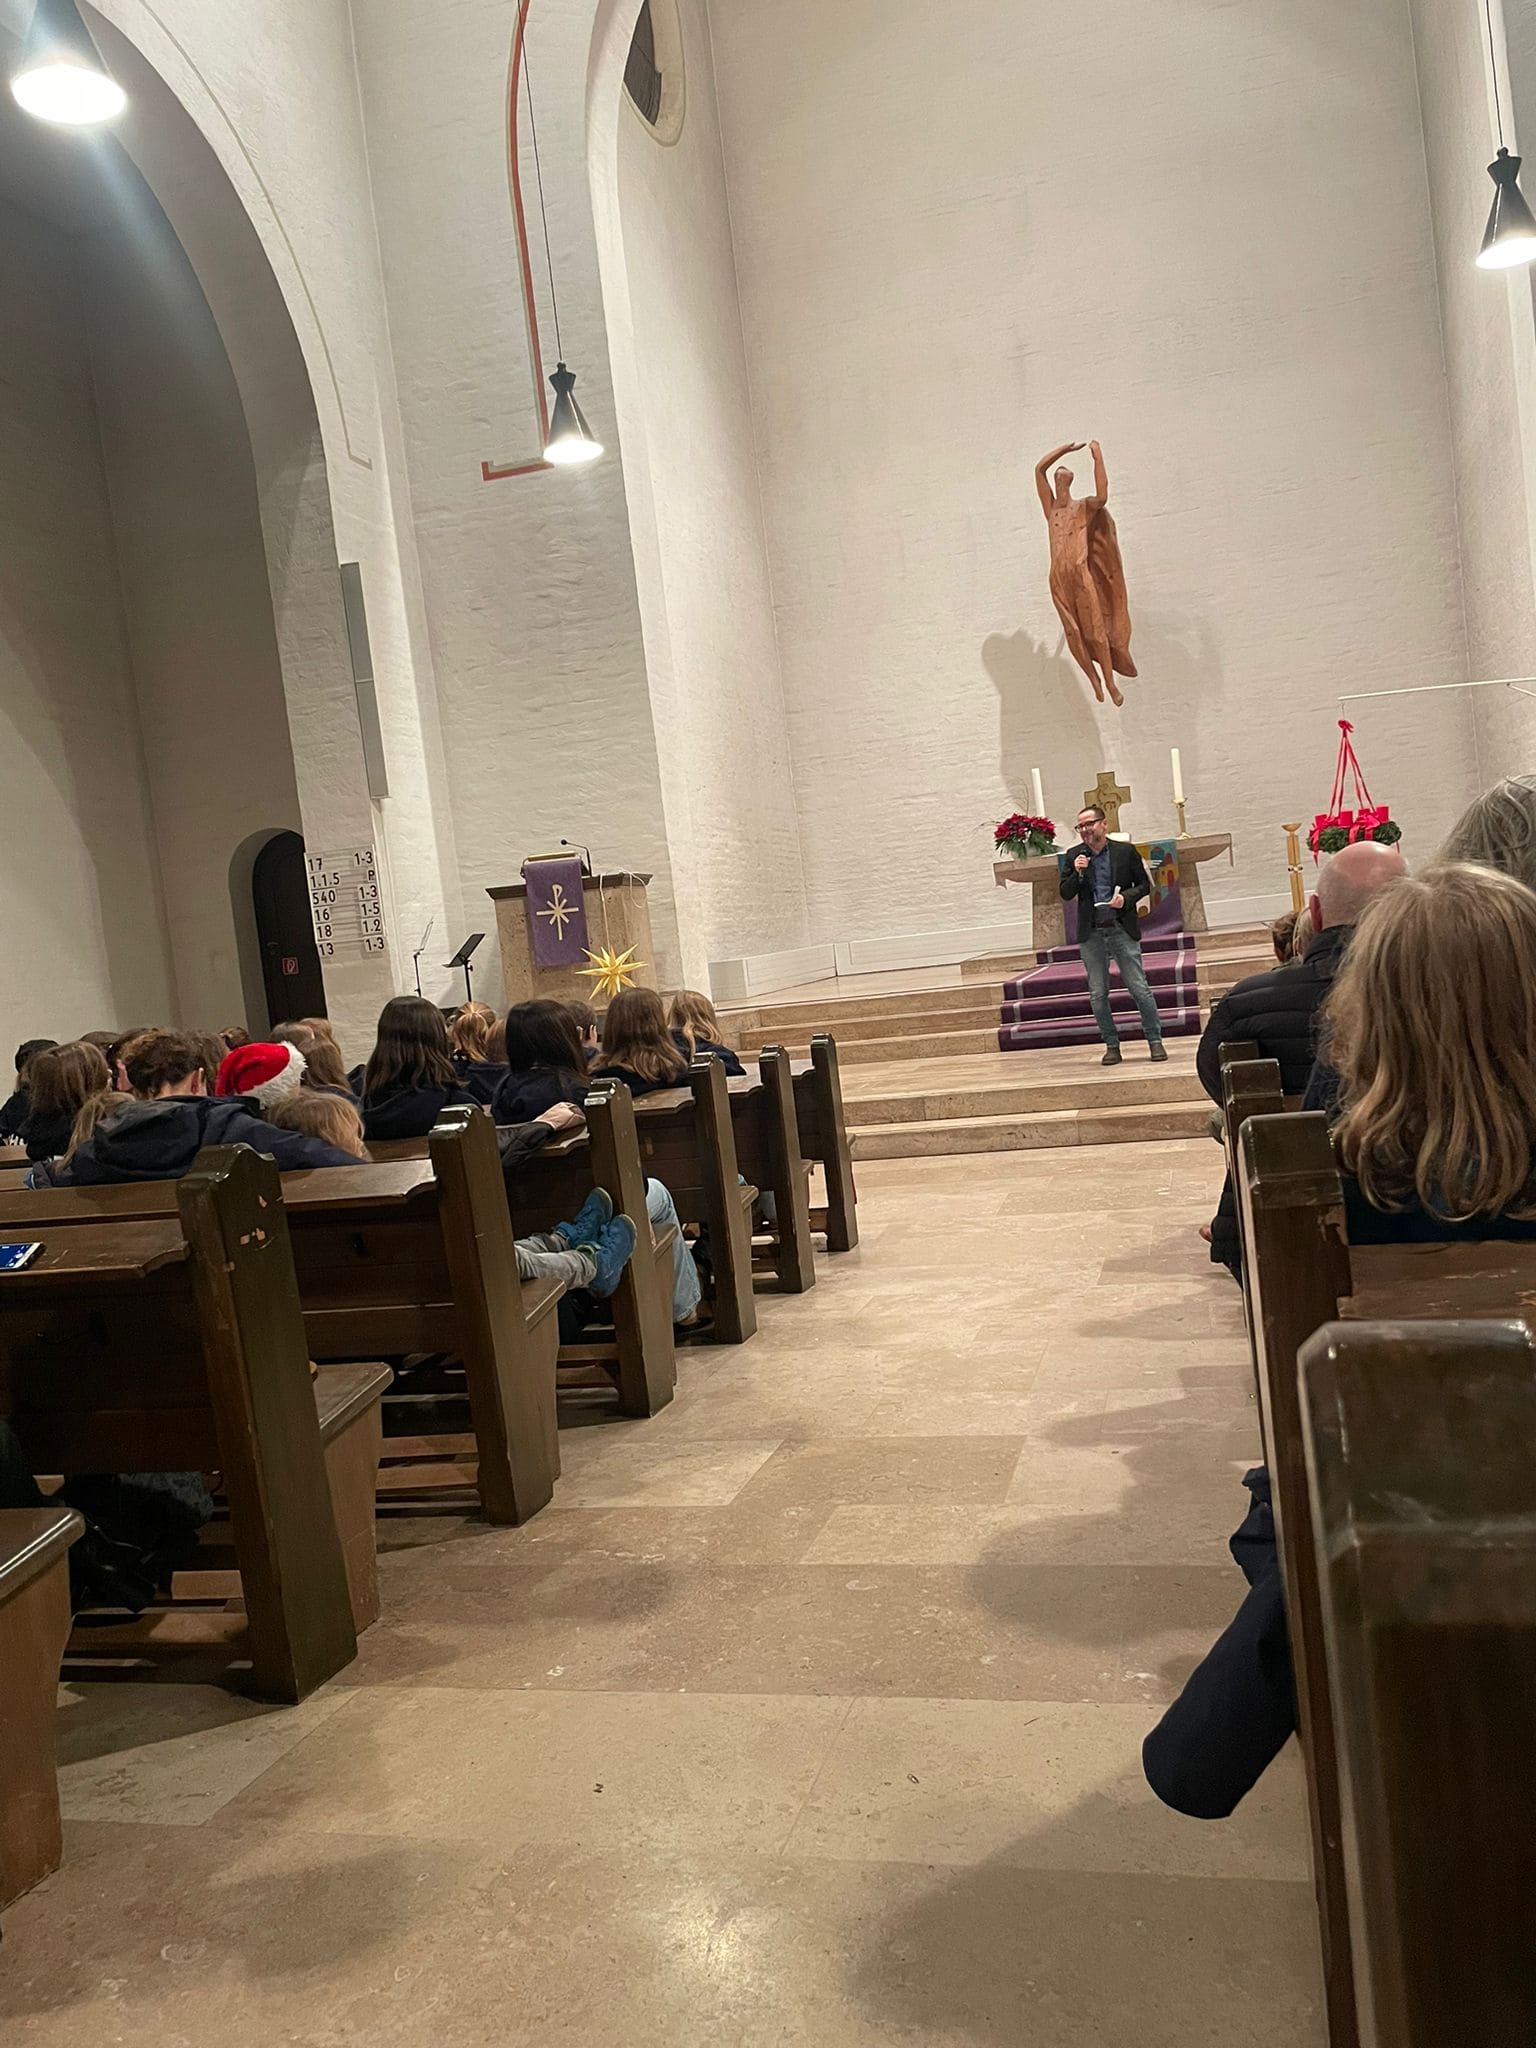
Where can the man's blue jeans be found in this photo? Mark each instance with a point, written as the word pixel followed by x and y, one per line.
pixel 1098 948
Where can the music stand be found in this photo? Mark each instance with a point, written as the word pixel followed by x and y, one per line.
pixel 462 959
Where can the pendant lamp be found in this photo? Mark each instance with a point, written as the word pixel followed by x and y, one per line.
pixel 61 77
pixel 571 441
pixel 1510 237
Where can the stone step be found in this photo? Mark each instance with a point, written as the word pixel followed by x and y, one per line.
pixel 1232 939
pixel 928 1045
pixel 912 1022
pixel 1092 1126
pixel 763 1020
pixel 1135 1085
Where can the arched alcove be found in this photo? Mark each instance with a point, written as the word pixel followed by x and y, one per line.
pixel 217 701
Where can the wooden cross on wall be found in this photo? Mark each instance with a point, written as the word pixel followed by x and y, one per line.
pixel 1109 795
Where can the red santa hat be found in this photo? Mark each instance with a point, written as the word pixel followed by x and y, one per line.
pixel 269 1073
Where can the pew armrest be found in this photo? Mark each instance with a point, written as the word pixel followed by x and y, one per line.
pixel 344 1392
pixel 539 1297
pixel 32 1541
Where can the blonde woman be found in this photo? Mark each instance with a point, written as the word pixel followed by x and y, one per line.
pixel 1433 1018
pixel 1498 830
pixel 1432 1033
pixel 471 1034
pixel 695 1027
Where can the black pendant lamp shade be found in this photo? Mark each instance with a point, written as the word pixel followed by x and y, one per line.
pixel 571 440
pixel 1511 233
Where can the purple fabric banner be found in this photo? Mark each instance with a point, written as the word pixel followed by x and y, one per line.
pixel 557 912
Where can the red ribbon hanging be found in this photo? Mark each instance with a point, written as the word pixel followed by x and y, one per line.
pixel 1359 822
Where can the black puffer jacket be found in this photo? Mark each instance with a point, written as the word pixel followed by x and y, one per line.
pixel 159 1141
pixel 1278 1010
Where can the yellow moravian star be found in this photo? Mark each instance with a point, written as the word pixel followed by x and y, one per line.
pixel 611 973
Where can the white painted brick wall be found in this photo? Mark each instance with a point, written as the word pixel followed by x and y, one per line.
pixel 679 360
pixel 1196 231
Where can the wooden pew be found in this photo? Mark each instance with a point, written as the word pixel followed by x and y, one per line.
pixel 824 1138
pixel 548 1188
pixel 768 1152
pixel 417 1257
pixel 1418 1447
pixel 34 1626
pixel 391 1259
pixel 1302 1274
pixel 640 1361
pixel 176 1345
pixel 1250 1087
pixel 688 1141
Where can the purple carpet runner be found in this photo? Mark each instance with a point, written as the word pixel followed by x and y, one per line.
pixel 1049 1005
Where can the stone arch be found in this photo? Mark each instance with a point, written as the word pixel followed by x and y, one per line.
pixel 190 156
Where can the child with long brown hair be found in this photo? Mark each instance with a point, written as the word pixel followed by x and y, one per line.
pixel 544 1062
pixel 410 1078
pixel 59 1080
pixel 637 1047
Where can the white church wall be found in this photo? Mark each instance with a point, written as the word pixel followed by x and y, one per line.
pixel 1199 233
pixel 530 581
pixel 187 530
pixel 679 363
pixel 1490 365
pixel 276 106
pixel 81 922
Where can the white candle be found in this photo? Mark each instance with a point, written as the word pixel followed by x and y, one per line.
pixel 1039 792
pixel 1178 778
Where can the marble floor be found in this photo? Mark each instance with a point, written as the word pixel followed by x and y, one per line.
pixel 808 1717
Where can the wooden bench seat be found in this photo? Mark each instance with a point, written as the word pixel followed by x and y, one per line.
pixel 34 1625
pixel 1418 1447
pixel 176 1344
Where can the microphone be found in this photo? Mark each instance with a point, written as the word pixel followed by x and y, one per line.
pixel 585 852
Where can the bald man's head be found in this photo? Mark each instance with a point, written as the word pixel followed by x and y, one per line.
pixel 1352 877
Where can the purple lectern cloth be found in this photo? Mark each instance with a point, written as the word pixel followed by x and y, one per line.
pixel 557 912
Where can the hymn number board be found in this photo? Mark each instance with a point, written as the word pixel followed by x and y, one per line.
pixel 345 903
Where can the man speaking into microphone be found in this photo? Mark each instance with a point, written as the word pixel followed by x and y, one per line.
pixel 1108 878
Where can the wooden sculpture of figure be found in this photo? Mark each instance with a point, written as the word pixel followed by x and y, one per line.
pixel 1087 575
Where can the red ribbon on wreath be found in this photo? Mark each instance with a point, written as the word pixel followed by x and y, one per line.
pixel 1359 822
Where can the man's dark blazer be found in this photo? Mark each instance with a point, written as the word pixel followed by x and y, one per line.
pixel 1128 873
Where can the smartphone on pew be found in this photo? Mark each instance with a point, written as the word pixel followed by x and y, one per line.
pixel 14 1256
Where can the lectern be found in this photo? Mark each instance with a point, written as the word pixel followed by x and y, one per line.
pixel 618 917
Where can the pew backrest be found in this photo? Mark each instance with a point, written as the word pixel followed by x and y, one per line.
pixel 1302 1275
pixel 1418 1446
pixel 175 1342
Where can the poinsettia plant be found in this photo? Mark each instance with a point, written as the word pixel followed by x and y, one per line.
pixel 1022 836
pixel 1336 828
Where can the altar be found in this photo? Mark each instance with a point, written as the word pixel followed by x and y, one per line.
pixel 1043 874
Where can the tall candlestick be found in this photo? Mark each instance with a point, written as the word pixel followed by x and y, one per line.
pixel 1039 792
pixel 1178 778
